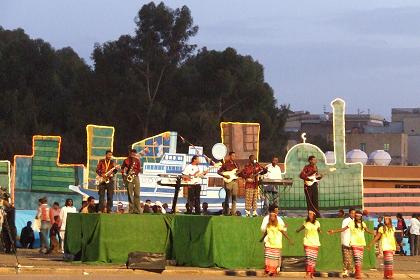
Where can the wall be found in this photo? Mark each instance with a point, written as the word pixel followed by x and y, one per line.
pixel 398 144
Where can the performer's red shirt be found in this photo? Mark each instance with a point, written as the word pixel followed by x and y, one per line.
pixel 228 165
pixel 104 166
pixel 127 165
pixel 308 171
pixel 249 173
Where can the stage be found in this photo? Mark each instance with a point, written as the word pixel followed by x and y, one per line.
pixel 198 241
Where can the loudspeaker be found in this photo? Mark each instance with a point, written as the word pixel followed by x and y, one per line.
pixel 295 264
pixel 146 261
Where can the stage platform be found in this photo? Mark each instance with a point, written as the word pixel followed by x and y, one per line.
pixel 198 241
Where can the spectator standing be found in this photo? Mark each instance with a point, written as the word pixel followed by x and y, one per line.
pixel 68 208
pixel 54 236
pixel 414 235
pixel 43 214
pixel 399 233
pixel 54 211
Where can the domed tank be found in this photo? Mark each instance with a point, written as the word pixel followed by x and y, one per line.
pixel 329 155
pixel 357 155
pixel 380 157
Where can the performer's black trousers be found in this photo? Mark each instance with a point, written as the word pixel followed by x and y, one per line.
pixel 109 188
pixel 194 198
pixel 311 195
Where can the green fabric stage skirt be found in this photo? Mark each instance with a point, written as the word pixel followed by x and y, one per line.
pixel 198 241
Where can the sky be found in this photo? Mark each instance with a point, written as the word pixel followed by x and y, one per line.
pixel 366 52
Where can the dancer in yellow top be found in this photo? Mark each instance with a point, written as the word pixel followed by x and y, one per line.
pixel 357 240
pixel 386 235
pixel 273 245
pixel 311 242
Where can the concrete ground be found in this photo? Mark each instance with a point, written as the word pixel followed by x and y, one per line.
pixel 34 265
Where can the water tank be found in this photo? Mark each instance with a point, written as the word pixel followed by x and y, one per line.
pixel 357 155
pixel 380 157
pixel 329 155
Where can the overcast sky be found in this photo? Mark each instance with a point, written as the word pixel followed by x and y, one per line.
pixel 367 52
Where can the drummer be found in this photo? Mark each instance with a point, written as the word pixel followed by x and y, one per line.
pixel 271 192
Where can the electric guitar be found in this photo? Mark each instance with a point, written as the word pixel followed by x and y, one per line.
pixel 316 177
pixel 232 175
pixel 195 179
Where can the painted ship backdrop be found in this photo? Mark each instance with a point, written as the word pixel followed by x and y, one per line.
pixel 378 189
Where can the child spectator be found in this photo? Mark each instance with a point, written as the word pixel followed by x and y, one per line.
pixel 54 236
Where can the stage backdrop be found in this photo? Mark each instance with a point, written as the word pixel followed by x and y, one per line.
pixel 200 241
pixel 42 175
pixel 342 184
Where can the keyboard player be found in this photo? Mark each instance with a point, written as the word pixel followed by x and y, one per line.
pixel 271 191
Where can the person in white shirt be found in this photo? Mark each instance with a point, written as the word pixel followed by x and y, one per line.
pixel 414 235
pixel 345 244
pixel 68 208
pixel 272 209
pixel 191 172
pixel 271 192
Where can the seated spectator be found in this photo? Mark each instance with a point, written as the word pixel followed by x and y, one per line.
pixel 54 236
pixel 220 212
pixel 27 237
pixel 188 209
pixel 205 208
pixel 147 209
pixel 340 213
pixel 84 204
pixel 90 207
pixel 165 206
pixel 159 208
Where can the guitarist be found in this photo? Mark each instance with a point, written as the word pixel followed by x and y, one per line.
pixel 231 188
pixel 311 192
pixel 192 170
pixel 105 165
pixel 250 173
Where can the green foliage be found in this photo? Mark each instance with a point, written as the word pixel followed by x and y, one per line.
pixel 142 84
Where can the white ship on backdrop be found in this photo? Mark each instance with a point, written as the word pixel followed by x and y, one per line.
pixel 174 163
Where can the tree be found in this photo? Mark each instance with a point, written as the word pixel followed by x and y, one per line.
pixel 159 47
pixel 39 90
pixel 216 86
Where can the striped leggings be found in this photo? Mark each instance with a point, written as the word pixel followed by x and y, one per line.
pixel 311 253
pixel 388 264
pixel 358 260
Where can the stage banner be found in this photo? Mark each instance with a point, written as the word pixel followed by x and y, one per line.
pixel 198 241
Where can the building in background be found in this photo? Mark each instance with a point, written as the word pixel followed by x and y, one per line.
pixel 367 132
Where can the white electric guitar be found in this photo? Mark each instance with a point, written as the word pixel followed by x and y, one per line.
pixel 231 174
pixel 196 178
pixel 316 177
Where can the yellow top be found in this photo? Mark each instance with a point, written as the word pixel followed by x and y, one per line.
pixel 311 234
pixel 357 235
pixel 387 238
pixel 274 236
